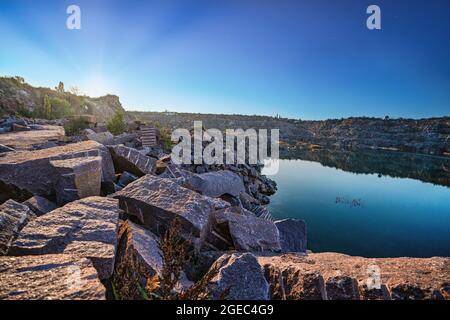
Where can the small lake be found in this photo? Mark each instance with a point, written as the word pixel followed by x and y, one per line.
pixel 371 204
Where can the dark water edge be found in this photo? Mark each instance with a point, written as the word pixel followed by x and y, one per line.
pixel 372 204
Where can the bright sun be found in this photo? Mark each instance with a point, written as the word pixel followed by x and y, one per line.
pixel 96 86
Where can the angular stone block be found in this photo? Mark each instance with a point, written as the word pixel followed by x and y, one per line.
pixel 30 173
pixel 77 178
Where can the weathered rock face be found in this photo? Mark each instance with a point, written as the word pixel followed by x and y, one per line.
pixel 292 235
pixel 138 260
pixel 13 217
pixel 240 275
pixel 239 229
pixel 84 228
pixel 77 178
pixel 216 184
pixel 104 138
pixel 157 201
pixel 131 160
pixel 40 205
pixel 30 173
pixel 334 276
pixel 49 277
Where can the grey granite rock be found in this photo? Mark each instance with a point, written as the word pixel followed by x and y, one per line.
pixel 155 202
pixel 25 174
pixel 292 235
pixel 83 228
pixel 240 275
pixel 77 178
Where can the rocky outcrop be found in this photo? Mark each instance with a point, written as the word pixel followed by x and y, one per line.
pixel 40 205
pixel 292 235
pixel 237 277
pixel 131 160
pixel 333 276
pixel 138 260
pixel 49 277
pixel 155 202
pixel 17 96
pixel 85 228
pixel 237 229
pixel 13 217
pixel 77 178
pixel 24 174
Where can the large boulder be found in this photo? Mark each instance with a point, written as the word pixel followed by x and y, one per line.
pixel 155 202
pixel 334 276
pixel 25 174
pixel 77 178
pixel 13 217
pixel 84 228
pixel 49 277
pixel 40 205
pixel 216 184
pixel 238 229
pixel 131 160
pixel 292 235
pixel 138 260
pixel 237 277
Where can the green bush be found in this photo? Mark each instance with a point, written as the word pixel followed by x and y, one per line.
pixel 75 125
pixel 116 125
pixel 166 139
pixel 61 108
pixel 24 112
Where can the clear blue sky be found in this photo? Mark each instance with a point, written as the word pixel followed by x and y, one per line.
pixel 304 59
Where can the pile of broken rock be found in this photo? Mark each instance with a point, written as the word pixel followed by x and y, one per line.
pixel 78 217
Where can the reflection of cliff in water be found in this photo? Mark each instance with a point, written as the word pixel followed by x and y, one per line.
pixel 395 164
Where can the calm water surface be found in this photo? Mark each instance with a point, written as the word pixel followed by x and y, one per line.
pixel 364 214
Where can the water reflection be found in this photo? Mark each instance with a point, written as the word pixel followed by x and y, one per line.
pixel 425 168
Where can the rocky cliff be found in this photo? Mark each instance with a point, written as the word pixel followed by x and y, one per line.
pixel 427 136
pixel 18 97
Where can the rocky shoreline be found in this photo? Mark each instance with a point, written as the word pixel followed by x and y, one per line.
pixel 93 217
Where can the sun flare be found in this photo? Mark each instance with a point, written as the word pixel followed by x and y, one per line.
pixel 96 85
